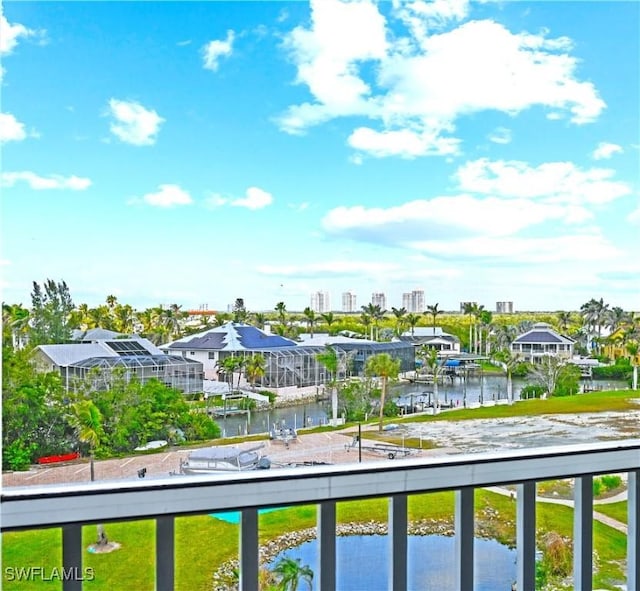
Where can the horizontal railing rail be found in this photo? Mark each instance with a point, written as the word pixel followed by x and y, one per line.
pixel 72 505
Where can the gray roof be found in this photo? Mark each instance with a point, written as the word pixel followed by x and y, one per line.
pixel 232 336
pixel 72 353
pixel 542 333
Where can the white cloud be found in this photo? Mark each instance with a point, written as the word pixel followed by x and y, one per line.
pixel 557 182
pixel 500 135
pixel 447 217
pixel 214 50
pixel 168 196
pixel 133 123
pixel 9 34
pixel 404 142
pixel 414 88
pixel 255 198
pixel 11 130
pixel 586 247
pixel 41 183
pixel 605 150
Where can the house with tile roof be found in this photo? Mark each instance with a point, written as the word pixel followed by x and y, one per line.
pixel 540 342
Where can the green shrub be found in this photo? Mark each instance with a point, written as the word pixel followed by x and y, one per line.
pixel 17 455
pixel 621 370
pixel 532 391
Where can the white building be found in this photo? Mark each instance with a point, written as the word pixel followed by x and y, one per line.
pixel 349 301
pixel 542 341
pixel 379 298
pixel 504 307
pixel 413 301
pixel 320 302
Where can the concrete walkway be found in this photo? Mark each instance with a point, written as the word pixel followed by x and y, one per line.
pixel 614 523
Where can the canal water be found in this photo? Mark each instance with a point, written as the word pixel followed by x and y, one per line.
pixel 363 563
pixel 312 414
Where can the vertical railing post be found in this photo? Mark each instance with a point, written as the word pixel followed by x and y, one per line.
pixel 327 539
pixel 249 559
pixel 464 530
pixel 583 533
pixel 398 523
pixel 72 556
pixel 165 553
pixel 633 531
pixel 526 535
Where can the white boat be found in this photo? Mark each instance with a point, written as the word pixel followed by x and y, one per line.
pixel 212 460
pixel 159 443
pixel 284 434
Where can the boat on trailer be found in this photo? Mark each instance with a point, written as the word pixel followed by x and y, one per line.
pixel 215 460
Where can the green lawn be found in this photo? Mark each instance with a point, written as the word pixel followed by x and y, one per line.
pixel 617 511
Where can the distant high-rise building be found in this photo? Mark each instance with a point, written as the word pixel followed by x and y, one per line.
pixel 413 301
pixel 348 301
pixel 379 299
pixel 320 302
pixel 463 304
pixel 504 307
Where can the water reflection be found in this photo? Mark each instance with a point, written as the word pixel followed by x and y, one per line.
pixel 452 393
pixel 363 563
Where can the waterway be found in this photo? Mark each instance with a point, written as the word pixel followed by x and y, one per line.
pixel 363 563
pixel 312 414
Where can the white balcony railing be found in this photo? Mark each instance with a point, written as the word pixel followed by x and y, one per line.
pixel 72 505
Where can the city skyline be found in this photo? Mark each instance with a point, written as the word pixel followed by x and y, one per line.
pixel 197 153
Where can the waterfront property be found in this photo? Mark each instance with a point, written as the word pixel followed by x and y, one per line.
pixel 434 337
pixel 540 342
pixel 70 506
pixel 287 362
pixel 99 360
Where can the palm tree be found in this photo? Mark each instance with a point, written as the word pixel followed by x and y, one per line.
pixel 229 366
pixel 429 356
pixel 434 312
pixel 412 321
pixel 290 572
pixel 329 318
pixel 86 419
pixel 310 319
pixel 485 323
pixel 386 368
pixel 111 301
pixel 281 310
pixel 564 320
pixel 15 322
pixel 330 360
pixel 470 308
pixel 366 321
pixel 400 314
pixel 259 319
pixel 376 314
pixel 477 314
pixel 509 361
pixel 255 368
pixel 632 350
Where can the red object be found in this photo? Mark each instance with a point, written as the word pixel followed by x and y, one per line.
pixel 62 458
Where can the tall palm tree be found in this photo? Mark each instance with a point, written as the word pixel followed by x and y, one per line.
pixel 229 366
pixel 477 314
pixel 291 572
pixel 111 301
pixel 469 308
pixel 429 356
pixel 400 314
pixel 434 312
pixel 281 310
pixel 310 319
pixel 15 324
pixel 564 320
pixel 412 321
pixel 386 368
pixel 367 322
pixel 509 362
pixel 376 314
pixel 330 360
pixel 485 325
pixel 632 350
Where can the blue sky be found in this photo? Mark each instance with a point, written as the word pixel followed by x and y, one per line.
pixel 200 152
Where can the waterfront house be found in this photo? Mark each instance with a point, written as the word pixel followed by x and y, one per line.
pixel 542 341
